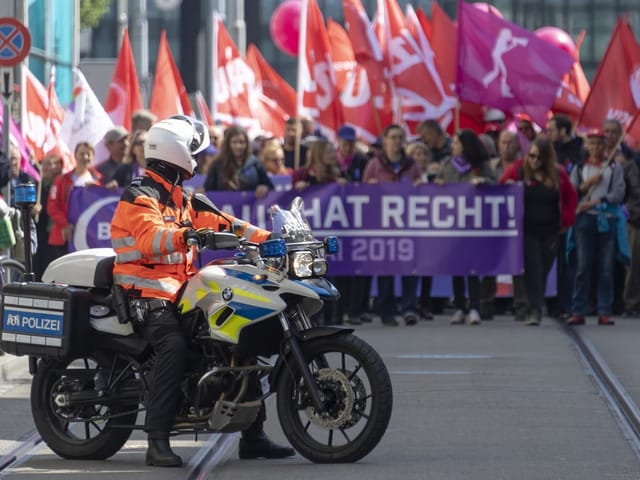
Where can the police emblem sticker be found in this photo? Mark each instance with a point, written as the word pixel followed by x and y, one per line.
pixel 227 294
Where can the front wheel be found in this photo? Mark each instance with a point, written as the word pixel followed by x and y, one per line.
pixel 358 398
pixel 89 430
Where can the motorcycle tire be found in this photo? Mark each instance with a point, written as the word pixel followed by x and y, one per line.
pixel 62 436
pixel 359 400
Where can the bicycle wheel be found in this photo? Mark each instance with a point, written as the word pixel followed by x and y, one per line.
pixel 11 271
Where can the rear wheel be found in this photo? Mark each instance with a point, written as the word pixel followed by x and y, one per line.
pixel 355 382
pixel 86 430
pixel 11 271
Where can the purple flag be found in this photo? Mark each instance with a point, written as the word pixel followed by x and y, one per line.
pixel 502 65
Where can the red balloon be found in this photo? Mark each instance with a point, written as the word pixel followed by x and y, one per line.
pixel 486 7
pixel 558 37
pixel 285 26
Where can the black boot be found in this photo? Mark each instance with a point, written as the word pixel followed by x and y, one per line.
pixel 260 446
pixel 160 454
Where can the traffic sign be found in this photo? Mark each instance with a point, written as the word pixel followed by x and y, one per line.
pixel 15 41
pixel 6 84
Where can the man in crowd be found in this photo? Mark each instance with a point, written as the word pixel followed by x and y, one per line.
pixel 116 141
pixel 435 137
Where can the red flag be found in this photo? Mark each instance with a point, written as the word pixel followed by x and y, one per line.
pixel 270 116
pixel 427 28
pixel 317 93
pixel 417 87
pixel 444 41
pixel 444 38
pixel 203 108
pixel 123 97
pixel 634 129
pixel 366 47
pixel 502 65
pixel 169 95
pixel 615 92
pixel 574 90
pixel 351 79
pixel 234 81
pixel 272 85
pixel 368 54
pixel 43 121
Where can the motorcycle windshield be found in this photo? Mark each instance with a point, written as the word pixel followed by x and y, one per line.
pixel 291 224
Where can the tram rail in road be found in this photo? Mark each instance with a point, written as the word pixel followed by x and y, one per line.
pixel 624 409
pixel 21 453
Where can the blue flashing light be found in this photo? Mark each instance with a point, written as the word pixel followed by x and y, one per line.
pixel 276 247
pixel 331 245
pixel 25 193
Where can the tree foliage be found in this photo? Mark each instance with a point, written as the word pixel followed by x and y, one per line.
pixel 91 11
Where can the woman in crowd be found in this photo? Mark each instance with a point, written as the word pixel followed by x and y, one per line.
pixel 421 153
pixel 83 175
pixel 134 162
pixel 468 163
pixel 549 208
pixel 236 168
pixel 321 166
pixel 272 156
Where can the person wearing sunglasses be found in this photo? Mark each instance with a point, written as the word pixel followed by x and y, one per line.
pixel 549 209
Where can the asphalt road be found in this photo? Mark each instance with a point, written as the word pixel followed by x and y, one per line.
pixel 496 401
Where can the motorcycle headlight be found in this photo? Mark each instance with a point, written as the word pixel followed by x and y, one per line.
pixel 302 264
pixel 319 267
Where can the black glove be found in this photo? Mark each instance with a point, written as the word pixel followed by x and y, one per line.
pixel 191 238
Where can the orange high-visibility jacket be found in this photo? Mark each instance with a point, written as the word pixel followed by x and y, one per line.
pixel 147 233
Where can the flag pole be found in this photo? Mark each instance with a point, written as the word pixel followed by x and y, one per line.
pixel 302 47
pixel 456 115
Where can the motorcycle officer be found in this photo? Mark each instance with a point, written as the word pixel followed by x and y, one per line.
pixel 151 230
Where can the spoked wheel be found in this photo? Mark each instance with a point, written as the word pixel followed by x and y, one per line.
pixel 355 382
pixel 78 429
pixel 11 271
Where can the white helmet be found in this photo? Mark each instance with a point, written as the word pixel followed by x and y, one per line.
pixel 177 140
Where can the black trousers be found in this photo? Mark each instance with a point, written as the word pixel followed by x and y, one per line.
pixel 162 330
pixel 540 251
pixel 473 288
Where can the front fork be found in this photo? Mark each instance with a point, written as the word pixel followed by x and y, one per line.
pixel 317 397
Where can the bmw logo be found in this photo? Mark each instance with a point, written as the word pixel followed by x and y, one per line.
pixel 227 294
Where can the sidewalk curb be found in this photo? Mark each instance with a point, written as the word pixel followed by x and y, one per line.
pixel 12 367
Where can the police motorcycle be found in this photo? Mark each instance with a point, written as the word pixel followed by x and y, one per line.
pixel 248 314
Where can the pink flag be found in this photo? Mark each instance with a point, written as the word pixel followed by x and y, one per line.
pixel 502 65
pixel 317 92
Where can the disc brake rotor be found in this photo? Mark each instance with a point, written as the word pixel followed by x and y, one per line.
pixel 340 409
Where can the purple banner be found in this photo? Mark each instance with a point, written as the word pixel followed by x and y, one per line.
pixel 388 228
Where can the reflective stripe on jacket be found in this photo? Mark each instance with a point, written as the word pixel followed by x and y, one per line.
pixel 147 233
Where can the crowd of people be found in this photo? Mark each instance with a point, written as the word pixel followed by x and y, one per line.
pixel 581 205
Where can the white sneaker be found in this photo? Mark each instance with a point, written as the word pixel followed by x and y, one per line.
pixel 474 317
pixel 457 318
